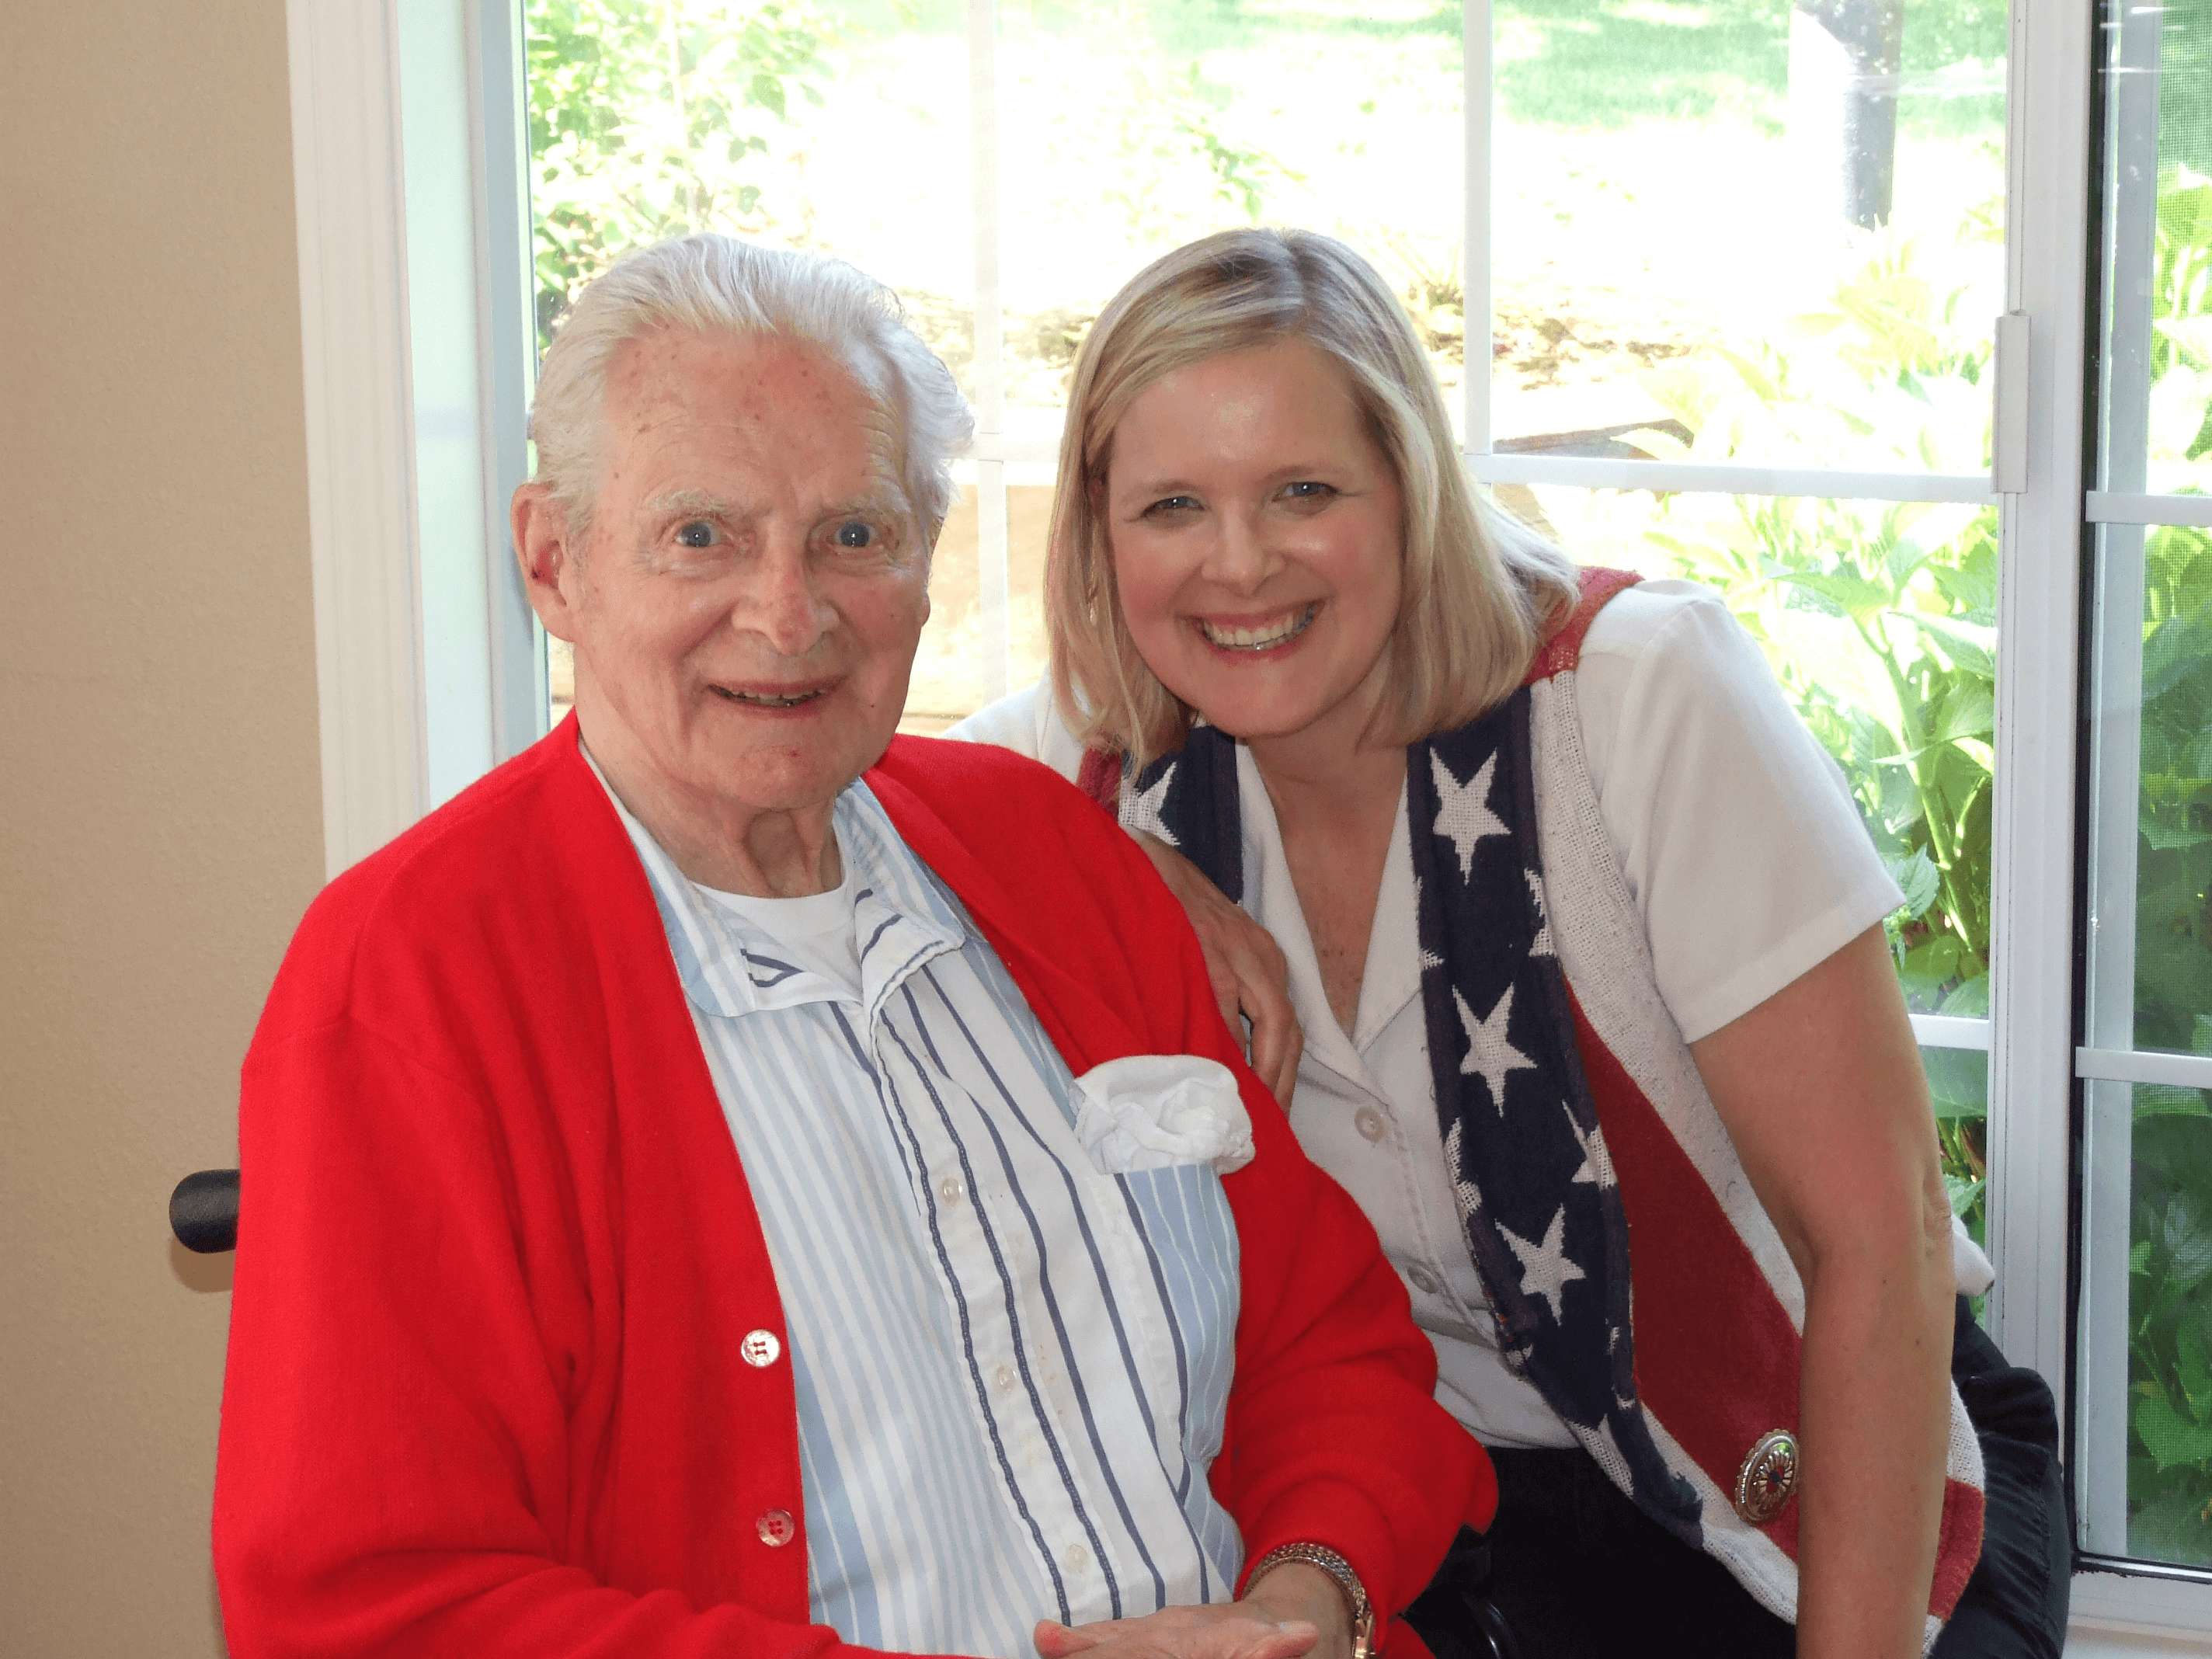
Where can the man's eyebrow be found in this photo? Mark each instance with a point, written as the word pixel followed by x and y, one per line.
pixel 703 502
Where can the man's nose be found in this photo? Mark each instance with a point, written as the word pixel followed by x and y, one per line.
pixel 785 604
pixel 1240 559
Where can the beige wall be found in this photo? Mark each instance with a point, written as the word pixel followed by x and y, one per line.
pixel 159 803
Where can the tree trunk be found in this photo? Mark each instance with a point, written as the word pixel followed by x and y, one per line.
pixel 1863 42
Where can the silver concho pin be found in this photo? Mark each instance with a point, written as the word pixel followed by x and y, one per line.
pixel 1768 1478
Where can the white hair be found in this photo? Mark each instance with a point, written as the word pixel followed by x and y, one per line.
pixel 713 283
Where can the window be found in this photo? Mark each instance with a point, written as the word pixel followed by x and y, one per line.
pixel 2144 1468
pixel 1799 307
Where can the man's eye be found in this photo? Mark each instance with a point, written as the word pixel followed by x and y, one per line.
pixel 697 533
pixel 855 532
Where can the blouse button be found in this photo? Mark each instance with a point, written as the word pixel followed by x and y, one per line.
pixel 776 1528
pixel 1423 1280
pixel 1077 1557
pixel 760 1348
pixel 951 1189
pixel 1369 1123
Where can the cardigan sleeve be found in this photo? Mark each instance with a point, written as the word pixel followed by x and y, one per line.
pixel 407 1382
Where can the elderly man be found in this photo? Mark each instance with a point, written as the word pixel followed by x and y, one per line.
pixel 707 1201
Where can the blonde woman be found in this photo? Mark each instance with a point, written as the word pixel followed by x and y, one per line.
pixel 1583 935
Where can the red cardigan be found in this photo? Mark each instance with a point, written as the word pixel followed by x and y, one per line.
pixel 483 1393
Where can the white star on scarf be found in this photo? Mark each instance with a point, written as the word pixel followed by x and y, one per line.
pixel 1545 1269
pixel 1597 1166
pixel 1542 947
pixel 1143 811
pixel 1463 809
pixel 1489 1055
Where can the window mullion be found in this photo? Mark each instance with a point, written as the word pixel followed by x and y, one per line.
pixel 1476 104
pixel 2032 857
pixel 991 578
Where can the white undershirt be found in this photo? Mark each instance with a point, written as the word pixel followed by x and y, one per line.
pixel 1742 848
pixel 815 932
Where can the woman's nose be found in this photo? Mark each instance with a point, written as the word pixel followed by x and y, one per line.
pixel 1239 559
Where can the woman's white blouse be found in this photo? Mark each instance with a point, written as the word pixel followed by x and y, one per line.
pixel 1741 847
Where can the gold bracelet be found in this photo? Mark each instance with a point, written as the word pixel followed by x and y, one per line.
pixel 1348 1583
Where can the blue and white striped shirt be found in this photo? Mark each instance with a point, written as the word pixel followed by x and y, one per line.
pixel 1012 1369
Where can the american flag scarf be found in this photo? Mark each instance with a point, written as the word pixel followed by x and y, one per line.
pixel 1538 1199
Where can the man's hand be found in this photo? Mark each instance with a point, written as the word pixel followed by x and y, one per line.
pixel 1244 963
pixel 1296 1610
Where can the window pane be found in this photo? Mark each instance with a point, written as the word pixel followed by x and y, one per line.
pixel 2146 1383
pixel 1723 230
pixel 1130 128
pixel 843 128
pixel 2145 1478
pixel 948 683
pixel 1959 1086
pixel 2158 248
pixel 1879 620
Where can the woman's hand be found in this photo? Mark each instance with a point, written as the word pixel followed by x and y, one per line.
pixel 1295 1610
pixel 1245 964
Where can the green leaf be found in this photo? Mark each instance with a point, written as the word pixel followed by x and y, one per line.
pixel 2164 1100
pixel 2172 1438
pixel 1917 875
pixel 1854 596
pixel 2139 1256
pixel 2173 1527
pixel 1970 646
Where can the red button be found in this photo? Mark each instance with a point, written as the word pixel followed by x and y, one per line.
pixel 776 1528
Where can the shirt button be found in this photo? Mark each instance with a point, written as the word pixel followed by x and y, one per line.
pixel 1077 1557
pixel 1004 1376
pixel 776 1528
pixel 1369 1123
pixel 760 1348
pixel 952 1189
pixel 1423 1280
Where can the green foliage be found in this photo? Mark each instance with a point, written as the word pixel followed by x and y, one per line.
pixel 654 117
pixel 1879 621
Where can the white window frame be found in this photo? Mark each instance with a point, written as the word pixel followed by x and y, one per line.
pixel 376 718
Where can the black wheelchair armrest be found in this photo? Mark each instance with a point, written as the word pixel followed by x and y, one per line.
pixel 203 1212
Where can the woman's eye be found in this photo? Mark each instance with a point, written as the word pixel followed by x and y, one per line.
pixel 697 533
pixel 855 532
pixel 1308 489
pixel 1169 504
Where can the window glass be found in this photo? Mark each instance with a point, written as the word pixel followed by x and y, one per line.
pixel 1879 619
pixel 2144 1478
pixel 1759 232
pixel 2147 1246
pixel 1132 128
pixel 2157 362
pixel 840 128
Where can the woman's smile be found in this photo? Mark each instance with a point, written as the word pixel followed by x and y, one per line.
pixel 1247 636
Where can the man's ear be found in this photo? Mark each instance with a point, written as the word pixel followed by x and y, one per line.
pixel 551 572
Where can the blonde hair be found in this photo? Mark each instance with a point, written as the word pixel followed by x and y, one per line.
pixel 1477 588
